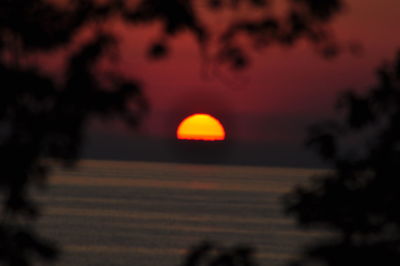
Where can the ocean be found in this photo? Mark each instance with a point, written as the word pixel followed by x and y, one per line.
pixel 146 213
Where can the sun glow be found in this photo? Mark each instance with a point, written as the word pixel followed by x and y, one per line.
pixel 200 127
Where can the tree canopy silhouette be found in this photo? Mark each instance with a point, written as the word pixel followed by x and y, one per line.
pixel 359 199
pixel 207 253
pixel 43 118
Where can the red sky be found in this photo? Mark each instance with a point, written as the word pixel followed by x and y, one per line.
pixel 278 95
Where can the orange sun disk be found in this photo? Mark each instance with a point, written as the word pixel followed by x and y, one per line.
pixel 200 127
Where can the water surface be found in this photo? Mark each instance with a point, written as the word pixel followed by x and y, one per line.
pixel 139 213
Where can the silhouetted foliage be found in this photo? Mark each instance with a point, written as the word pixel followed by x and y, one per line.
pixel 211 254
pixel 304 19
pixel 359 199
pixel 41 118
pixel 45 121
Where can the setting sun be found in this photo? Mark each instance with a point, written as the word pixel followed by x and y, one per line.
pixel 200 127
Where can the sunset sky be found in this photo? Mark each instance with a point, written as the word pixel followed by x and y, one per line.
pixel 269 104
